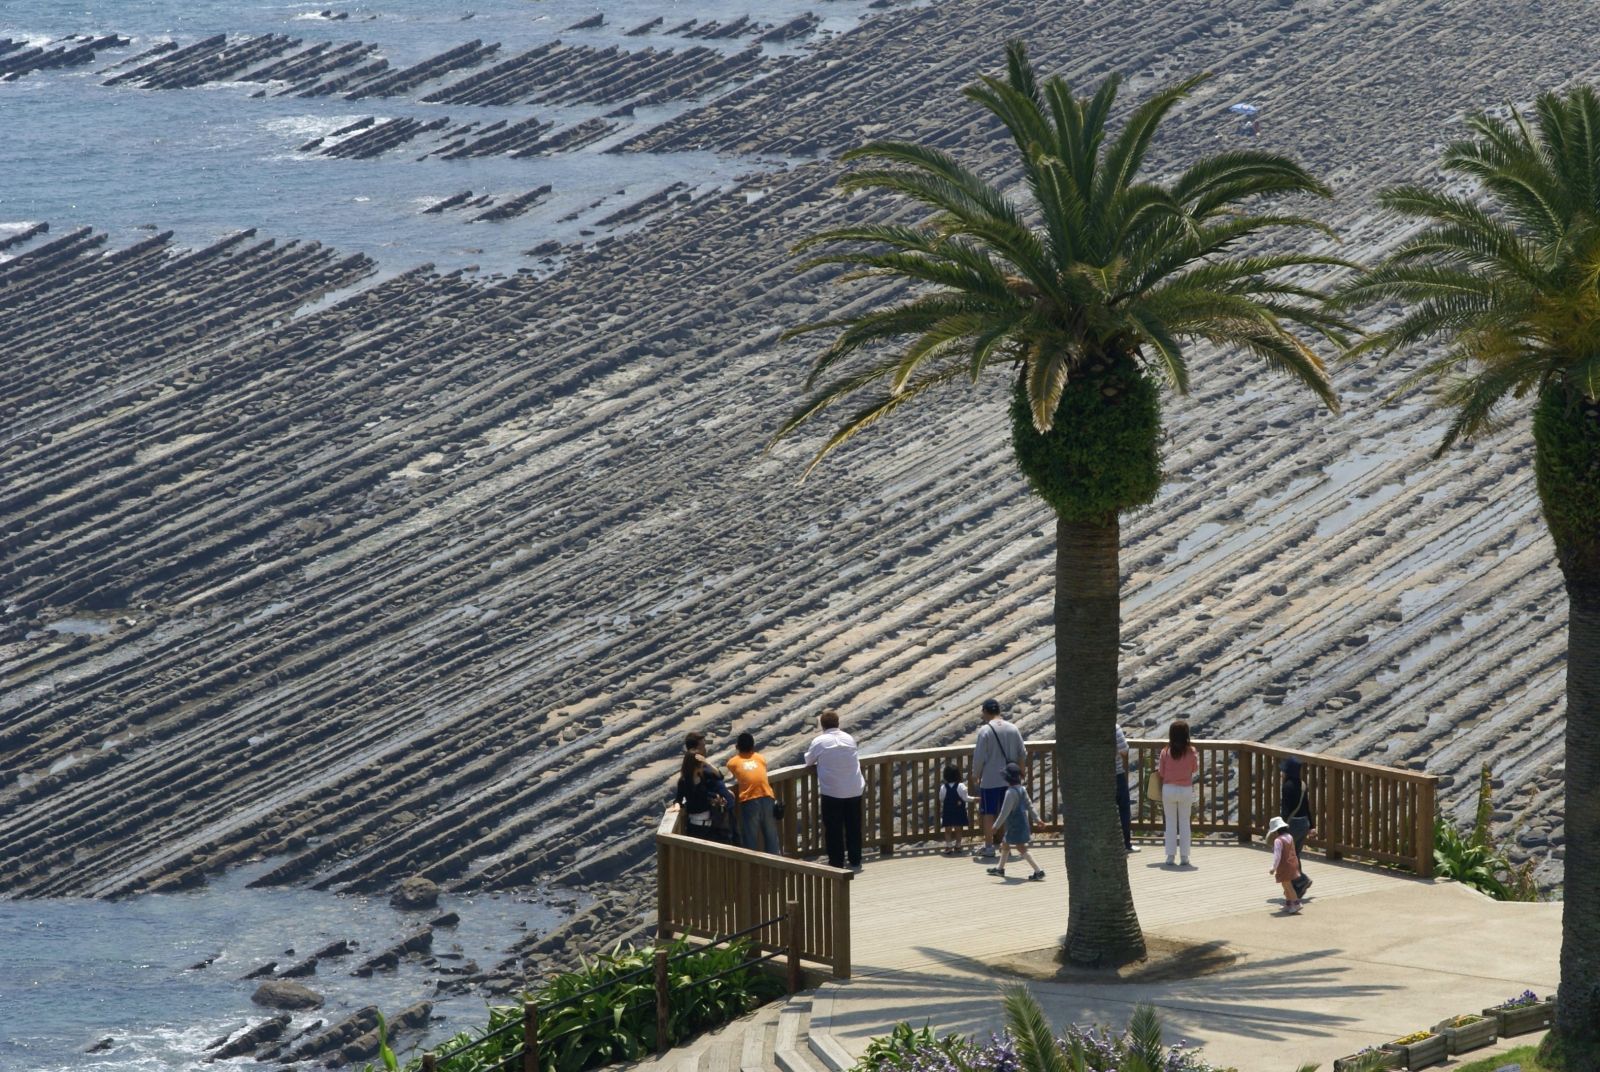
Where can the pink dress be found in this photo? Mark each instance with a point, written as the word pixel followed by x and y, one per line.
pixel 1285 863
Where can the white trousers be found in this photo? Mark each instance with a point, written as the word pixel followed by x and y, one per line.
pixel 1176 801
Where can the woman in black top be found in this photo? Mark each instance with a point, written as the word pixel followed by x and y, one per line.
pixel 1297 811
pixel 699 791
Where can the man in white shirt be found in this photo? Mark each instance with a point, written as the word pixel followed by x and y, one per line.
pixel 839 780
pixel 999 746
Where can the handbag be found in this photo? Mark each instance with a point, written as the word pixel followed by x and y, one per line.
pixel 1152 786
pixel 778 810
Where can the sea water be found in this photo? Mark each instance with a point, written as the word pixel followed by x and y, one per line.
pixel 210 160
pixel 206 162
pixel 74 972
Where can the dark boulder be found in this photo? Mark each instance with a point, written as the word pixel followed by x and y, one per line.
pixel 415 893
pixel 282 994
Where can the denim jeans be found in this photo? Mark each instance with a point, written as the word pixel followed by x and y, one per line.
pixel 1299 827
pixel 758 830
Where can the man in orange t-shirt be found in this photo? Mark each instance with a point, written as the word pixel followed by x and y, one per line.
pixel 758 828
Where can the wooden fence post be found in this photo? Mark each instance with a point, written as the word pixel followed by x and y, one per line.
pixel 1425 807
pixel 1334 800
pixel 663 1008
pixel 1247 795
pixel 663 891
pixel 886 807
pixel 790 823
pixel 530 1037
pixel 791 935
pixel 841 927
pixel 428 1063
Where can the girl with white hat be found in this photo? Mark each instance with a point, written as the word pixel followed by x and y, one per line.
pixel 1285 862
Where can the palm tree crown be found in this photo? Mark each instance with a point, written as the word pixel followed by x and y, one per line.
pixel 1093 264
pixel 1513 285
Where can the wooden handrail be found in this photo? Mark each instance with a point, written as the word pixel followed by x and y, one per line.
pixel 1356 815
pixel 1363 810
pixel 776 863
pixel 707 889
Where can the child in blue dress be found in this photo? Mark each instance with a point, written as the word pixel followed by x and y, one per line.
pixel 953 817
pixel 1016 818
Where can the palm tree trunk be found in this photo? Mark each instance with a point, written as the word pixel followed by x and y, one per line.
pixel 1577 1026
pixel 1102 926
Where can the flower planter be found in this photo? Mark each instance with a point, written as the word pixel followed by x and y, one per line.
pixel 1425 1054
pixel 1384 1058
pixel 1470 1036
pixel 1520 1019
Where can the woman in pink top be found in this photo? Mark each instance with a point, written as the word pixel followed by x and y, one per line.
pixel 1177 767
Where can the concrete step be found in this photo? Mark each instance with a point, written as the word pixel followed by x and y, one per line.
pixel 761 1040
pixel 792 1049
pixel 723 1054
pixel 747 1044
pixel 828 1054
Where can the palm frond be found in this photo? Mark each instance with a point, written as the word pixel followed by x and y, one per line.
pixel 911 317
pixel 1144 1038
pixel 1230 177
pixel 1045 372
pixel 869 415
pixel 1284 353
pixel 1168 350
pixel 1127 151
pixel 1036 1043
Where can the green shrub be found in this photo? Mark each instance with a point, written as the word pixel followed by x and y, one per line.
pixel 1472 858
pixel 618 1021
pixel 1029 1044
pixel 908 1048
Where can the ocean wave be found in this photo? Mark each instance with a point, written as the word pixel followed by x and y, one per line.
pixel 32 40
pixel 308 126
pixel 161 1049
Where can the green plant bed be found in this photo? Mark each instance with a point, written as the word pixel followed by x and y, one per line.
pixel 1469 1032
pixel 1426 1052
pixel 1518 1018
pixel 1370 1061
pixel 605 1012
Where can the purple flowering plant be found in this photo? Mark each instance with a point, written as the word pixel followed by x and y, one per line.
pixel 1527 997
pixel 1028 1045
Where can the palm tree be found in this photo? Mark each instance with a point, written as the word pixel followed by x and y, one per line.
pixel 1085 292
pixel 1509 281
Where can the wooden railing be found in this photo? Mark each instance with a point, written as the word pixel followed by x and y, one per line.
pixel 706 889
pixel 1361 810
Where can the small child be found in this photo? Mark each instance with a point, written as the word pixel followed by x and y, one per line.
pixel 953 816
pixel 1015 818
pixel 1285 862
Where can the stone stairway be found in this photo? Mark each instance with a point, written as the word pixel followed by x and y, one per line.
pixel 775 1036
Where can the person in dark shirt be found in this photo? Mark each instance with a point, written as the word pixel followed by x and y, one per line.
pixel 695 743
pixel 700 794
pixel 1296 811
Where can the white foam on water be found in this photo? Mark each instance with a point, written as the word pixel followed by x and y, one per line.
pixel 162 1049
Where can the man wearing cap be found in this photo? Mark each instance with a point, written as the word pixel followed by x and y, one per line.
pixel 999 745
